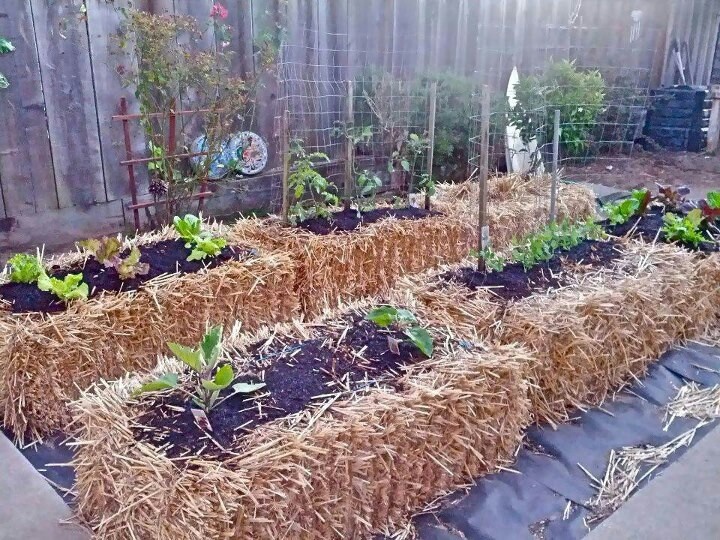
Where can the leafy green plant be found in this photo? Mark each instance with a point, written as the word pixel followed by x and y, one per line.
pixel 713 199
pixel 408 150
pixel 579 95
pixel 367 184
pixel 710 206
pixel 684 229
pixel 71 287
pixel 5 47
pixel 494 262
pixel 304 180
pixel 202 243
pixel 25 268
pixel 542 245
pixel 208 377
pixel 673 198
pixel 386 316
pixel 620 212
pixel 107 252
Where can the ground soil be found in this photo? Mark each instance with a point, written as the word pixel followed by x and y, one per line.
pixel 297 375
pixel 514 282
pixel 700 172
pixel 348 220
pixel 166 257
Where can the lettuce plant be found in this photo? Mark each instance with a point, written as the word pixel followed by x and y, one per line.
pixel 386 316
pixel 71 287
pixel 107 252
pixel 203 243
pixel 685 229
pixel 207 376
pixel 25 268
pixel 620 212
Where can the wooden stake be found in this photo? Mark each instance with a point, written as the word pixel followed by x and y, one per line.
pixel 350 156
pixel 286 168
pixel 714 128
pixel 129 159
pixel 431 136
pixel 556 158
pixel 483 230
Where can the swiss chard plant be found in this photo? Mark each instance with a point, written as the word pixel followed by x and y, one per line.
pixel 314 195
pixel 107 251
pixel 622 211
pixel 387 316
pixel 686 229
pixel 71 287
pixel 710 206
pixel 674 198
pixel 25 268
pixel 208 375
pixel 202 242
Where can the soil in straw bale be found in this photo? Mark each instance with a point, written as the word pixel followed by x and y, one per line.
pixel 515 282
pixel 350 220
pixel 46 358
pixel 360 464
pixel 353 353
pixel 164 257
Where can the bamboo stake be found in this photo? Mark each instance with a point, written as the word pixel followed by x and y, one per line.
pixel 350 158
pixel 431 136
pixel 556 156
pixel 483 229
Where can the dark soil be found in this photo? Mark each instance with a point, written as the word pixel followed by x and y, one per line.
pixel 348 220
pixel 514 282
pixel 297 375
pixel 166 257
pixel 648 227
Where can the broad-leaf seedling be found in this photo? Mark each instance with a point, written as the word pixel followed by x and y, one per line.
pixel 202 243
pixel 25 268
pixel 71 287
pixel 684 229
pixel 207 376
pixel 386 316
pixel 305 181
pixel 107 252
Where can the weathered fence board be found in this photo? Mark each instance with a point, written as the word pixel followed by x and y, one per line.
pixel 26 172
pixel 66 73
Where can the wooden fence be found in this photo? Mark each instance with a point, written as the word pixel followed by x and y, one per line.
pixel 60 177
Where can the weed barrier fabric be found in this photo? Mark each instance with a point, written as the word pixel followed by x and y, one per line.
pixel 46 358
pixel 532 501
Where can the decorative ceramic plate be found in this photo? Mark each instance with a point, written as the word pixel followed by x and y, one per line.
pixel 218 166
pixel 248 151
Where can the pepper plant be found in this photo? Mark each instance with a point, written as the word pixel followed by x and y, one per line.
pixel 207 376
pixel 386 316
pixel 314 195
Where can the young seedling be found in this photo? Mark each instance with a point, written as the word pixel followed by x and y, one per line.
pixel 620 212
pixel 673 198
pixel 71 287
pixel 207 377
pixel 367 184
pixel 684 229
pixel 107 252
pixel 25 268
pixel 386 316
pixel 203 243
pixel 494 262
pixel 305 180
pixel 710 206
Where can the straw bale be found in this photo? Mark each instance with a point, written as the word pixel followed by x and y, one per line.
pixel 44 358
pixel 364 465
pixel 598 334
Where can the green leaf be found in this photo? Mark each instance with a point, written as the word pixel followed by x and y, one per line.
pixel 405 164
pixel 4 83
pixel 130 267
pixel 6 46
pixel 422 339
pixel 223 377
pixel 25 268
pixel 248 388
pixel 383 316
pixel 695 217
pixel 67 289
pixel 169 380
pixel 210 345
pixel 405 316
pixel 188 227
pixel 189 356
pixel 713 199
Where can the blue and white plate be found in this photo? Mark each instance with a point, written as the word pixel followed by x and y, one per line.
pixel 218 164
pixel 247 151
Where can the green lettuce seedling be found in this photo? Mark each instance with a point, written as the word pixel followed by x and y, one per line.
pixel 25 268
pixel 207 377
pixel 385 316
pixel 203 243
pixel 685 229
pixel 67 289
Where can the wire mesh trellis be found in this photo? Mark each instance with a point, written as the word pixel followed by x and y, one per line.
pixel 337 96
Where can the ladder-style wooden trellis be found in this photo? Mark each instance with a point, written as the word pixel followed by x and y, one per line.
pixel 170 153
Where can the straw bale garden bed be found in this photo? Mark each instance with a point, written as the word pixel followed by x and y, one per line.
pixel 78 317
pixel 340 437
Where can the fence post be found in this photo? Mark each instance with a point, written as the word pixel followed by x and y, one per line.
pixel 350 157
pixel 286 167
pixel 483 229
pixel 129 157
pixel 556 157
pixel 431 136
pixel 714 128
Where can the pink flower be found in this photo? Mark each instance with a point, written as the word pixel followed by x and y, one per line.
pixel 218 10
